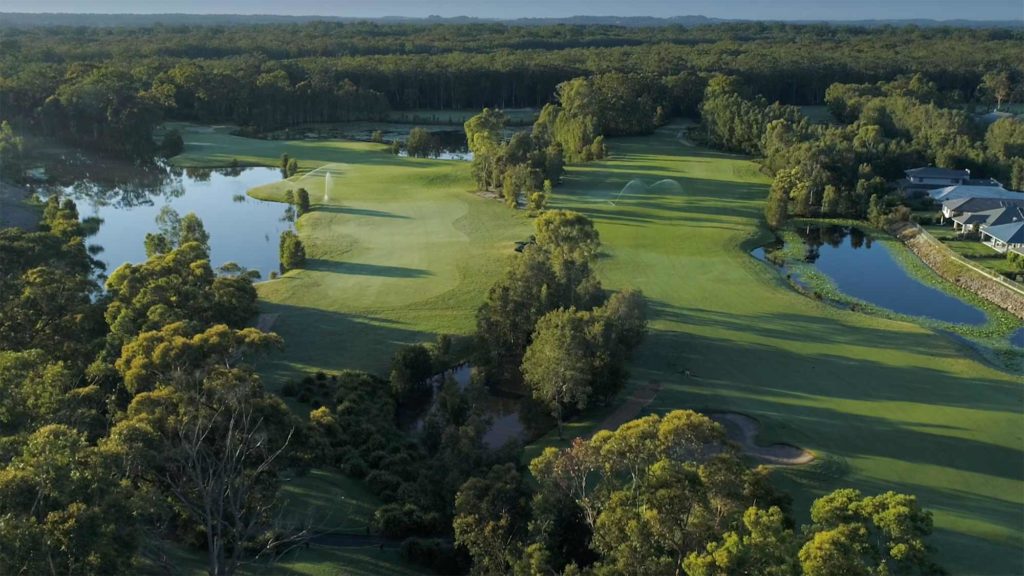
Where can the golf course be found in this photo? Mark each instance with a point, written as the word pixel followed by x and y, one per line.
pixel 400 250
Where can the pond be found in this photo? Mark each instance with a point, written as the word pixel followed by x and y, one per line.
pixel 242 229
pixel 868 271
pixel 1017 338
pixel 506 421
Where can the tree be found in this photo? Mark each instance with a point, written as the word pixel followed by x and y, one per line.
pixel 776 210
pixel 876 211
pixel 172 144
pixel 997 85
pixel 765 546
pixel 284 164
pixel 301 201
pixel 293 252
pixel 856 534
pixel 421 143
pixel 214 449
pixel 489 512
pixel 62 510
pixel 292 168
pixel 830 201
pixel 483 131
pixel 1017 175
pixel 555 365
pixel 411 369
pixel 12 149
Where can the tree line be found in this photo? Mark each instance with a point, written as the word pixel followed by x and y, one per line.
pixel 845 169
pixel 109 88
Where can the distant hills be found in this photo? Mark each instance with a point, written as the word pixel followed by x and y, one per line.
pixel 28 20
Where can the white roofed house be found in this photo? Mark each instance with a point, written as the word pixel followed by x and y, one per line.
pixel 1004 237
pixel 973 191
pixel 972 214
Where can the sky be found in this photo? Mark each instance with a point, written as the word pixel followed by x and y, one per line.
pixel 736 9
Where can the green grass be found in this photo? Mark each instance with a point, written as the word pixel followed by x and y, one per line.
pixel 885 404
pixel 402 251
pixel 972 249
pixel 405 251
pixel 328 502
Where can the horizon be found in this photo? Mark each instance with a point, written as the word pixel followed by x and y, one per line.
pixel 752 10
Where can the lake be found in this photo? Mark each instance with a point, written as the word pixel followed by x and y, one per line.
pixel 866 270
pixel 242 229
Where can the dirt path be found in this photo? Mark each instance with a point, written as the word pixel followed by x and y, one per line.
pixel 636 402
pixel 265 322
pixel 743 430
pixel 681 136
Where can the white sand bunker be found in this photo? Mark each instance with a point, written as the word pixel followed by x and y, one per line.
pixel 637 187
pixel 743 429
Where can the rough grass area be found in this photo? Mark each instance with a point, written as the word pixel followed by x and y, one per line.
pixel 404 251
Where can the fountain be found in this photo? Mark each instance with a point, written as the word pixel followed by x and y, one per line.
pixel 327 188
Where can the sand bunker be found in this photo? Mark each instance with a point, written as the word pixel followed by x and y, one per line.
pixel 743 430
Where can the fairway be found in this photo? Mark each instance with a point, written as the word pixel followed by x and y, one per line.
pixel 403 250
pixel 885 405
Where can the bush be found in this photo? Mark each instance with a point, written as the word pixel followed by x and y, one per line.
pixel 289 389
pixel 293 253
pixel 435 554
pixel 404 520
pixel 172 144
pixel 377 137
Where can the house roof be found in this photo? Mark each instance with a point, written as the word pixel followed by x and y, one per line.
pixel 994 217
pixel 974 204
pixel 963 191
pixel 1010 233
pixel 933 172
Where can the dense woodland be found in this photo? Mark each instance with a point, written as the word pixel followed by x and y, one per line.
pixel 131 413
pixel 109 87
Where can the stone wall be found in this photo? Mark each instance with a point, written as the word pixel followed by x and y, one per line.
pixel 952 267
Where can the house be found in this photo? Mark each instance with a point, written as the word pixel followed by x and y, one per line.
pixel 969 222
pixel 972 190
pixel 937 177
pixel 958 206
pixel 1004 236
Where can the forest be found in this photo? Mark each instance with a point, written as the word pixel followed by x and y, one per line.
pixel 107 88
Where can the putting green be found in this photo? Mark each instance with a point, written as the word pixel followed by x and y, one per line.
pixel 404 251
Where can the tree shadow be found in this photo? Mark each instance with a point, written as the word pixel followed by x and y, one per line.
pixel 364 269
pixel 335 209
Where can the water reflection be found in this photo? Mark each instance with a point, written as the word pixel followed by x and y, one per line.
pixel 242 229
pixel 867 271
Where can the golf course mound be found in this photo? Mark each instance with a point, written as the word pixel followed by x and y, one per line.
pixel 743 429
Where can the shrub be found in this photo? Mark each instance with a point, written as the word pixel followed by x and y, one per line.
pixel 435 554
pixel 289 389
pixel 293 253
pixel 172 144
pixel 403 520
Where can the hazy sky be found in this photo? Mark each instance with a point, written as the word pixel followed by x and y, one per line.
pixel 745 9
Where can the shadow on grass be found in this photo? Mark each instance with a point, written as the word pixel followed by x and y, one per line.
pixel 316 339
pixel 363 269
pixel 334 209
